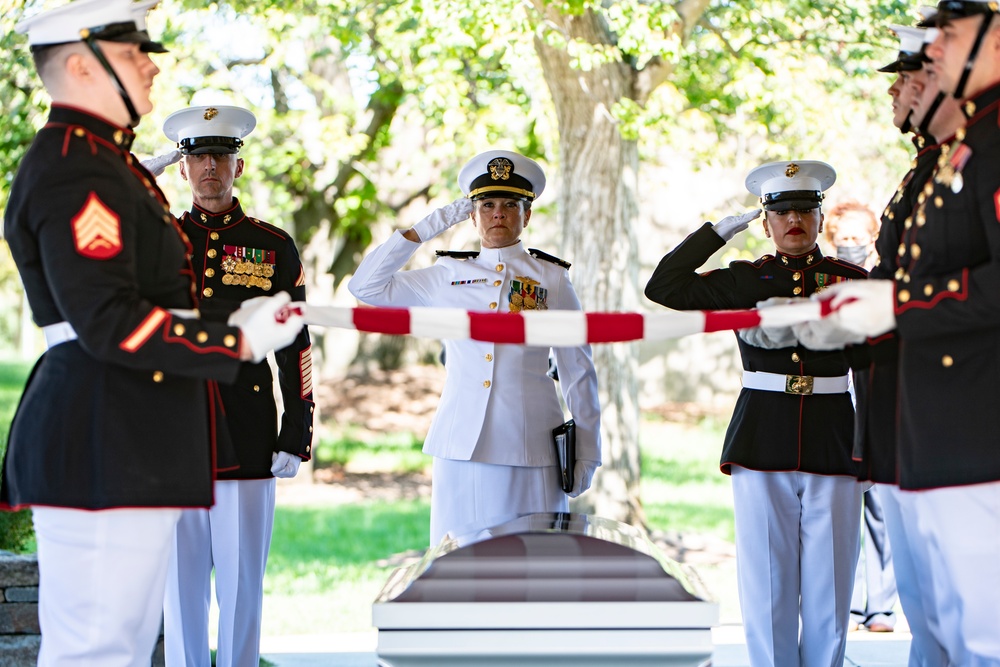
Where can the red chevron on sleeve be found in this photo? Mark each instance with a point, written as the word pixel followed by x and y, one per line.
pixel 97 230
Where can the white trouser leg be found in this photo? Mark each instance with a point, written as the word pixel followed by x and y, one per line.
pixel 962 526
pixel 102 575
pixel 189 592
pixel 242 518
pixel 914 577
pixel 789 527
pixel 831 543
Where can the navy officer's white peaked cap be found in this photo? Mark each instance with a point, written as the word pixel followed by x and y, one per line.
pixel 111 20
pixel 209 129
pixel 502 174
pixel 791 184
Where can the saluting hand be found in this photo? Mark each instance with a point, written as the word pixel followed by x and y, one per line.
pixel 731 225
pixel 443 219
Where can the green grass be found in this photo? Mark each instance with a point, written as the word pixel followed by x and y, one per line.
pixel 16 533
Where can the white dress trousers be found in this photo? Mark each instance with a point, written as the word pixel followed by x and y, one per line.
pixel 797 546
pixel 915 578
pixel 102 575
pixel 233 538
pixel 961 526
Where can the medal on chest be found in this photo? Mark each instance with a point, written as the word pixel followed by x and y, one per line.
pixel 527 294
pixel 249 267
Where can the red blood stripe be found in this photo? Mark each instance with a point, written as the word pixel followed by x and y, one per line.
pixel 724 320
pixel 614 327
pixel 496 328
pixel 382 320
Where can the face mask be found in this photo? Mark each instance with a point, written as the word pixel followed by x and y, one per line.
pixel 855 254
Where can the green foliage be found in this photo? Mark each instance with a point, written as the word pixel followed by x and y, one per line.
pixel 389 451
pixel 16 531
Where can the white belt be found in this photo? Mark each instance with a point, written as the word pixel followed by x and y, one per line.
pixel 794 384
pixel 60 332
pixel 63 332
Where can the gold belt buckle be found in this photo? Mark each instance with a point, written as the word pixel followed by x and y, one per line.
pixel 799 384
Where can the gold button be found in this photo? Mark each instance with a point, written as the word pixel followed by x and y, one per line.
pixel 902 250
pixel 308 448
pixel 311 409
pixel 899 274
pixel 118 136
pixel 797 291
pixel 229 340
pixel 903 296
pixel 970 109
pixel 499 267
pixel 947 361
pixel 908 223
pixel 796 276
pixel 915 251
pixel 493 305
pixel 928 289
pixel 214 236
pixel 212 253
pixel 496 283
pixel 921 198
pixel 157 376
pixel 906 277
pixel 202 336
pixel 207 291
pixel 795 357
pixel 939 201
pixel 209 273
pixel 79 132
pixel 953 286
pixel 489 357
pixel 310 429
pixel 928 188
pixel 487 384
pixel 921 218
pixel 256 387
pixel 178 329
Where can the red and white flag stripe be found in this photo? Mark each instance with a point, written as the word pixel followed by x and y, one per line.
pixel 555 328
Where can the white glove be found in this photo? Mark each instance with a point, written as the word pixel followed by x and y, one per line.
pixel 238 317
pixel 284 464
pixel 731 225
pixel 864 307
pixel 770 337
pixel 825 334
pixel 583 475
pixel 269 325
pixel 443 219
pixel 158 164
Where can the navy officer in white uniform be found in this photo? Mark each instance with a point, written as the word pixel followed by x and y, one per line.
pixel 796 498
pixel 491 438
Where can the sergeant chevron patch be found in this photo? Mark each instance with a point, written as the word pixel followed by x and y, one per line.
pixel 97 230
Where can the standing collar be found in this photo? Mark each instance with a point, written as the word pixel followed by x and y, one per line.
pixel 504 254
pixel 61 115
pixel 808 260
pixel 221 220
pixel 980 102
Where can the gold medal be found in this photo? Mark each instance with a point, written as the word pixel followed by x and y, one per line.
pixel 227 279
pixel 266 285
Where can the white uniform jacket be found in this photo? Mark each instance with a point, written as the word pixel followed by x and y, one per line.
pixel 498 405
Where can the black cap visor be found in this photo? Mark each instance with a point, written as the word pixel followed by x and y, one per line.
pixel 906 62
pixel 216 145
pixel 797 200
pixel 949 10
pixel 125 31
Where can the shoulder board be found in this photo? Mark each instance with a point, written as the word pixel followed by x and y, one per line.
pixel 760 261
pixel 848 265
pixel 538 254
pixel 459 254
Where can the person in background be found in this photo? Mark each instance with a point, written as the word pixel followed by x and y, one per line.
pixel 851 228
pixel 491 438
pixel 113 434
pixel 796 497
pixel 236 258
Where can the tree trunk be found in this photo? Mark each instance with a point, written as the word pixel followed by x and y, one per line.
pixel 598 176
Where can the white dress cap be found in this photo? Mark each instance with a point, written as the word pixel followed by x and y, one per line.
pixel 502 174
pixel 73 22
pixel 791 184
pixel 209 129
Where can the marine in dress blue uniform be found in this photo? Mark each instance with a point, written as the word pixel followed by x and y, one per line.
pixel 788 446
pixel 491 437
pixel 235 257
pixel 942 300
pixel 114 429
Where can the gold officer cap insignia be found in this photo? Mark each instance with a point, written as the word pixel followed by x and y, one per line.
pixel 791 170
pixel 500 168
pixel 210 113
